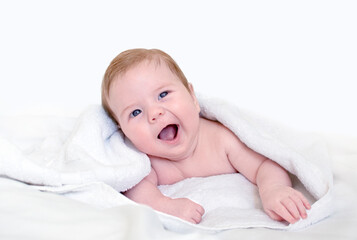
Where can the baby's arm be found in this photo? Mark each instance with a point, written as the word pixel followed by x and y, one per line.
pixel 280 201
pixel 146 192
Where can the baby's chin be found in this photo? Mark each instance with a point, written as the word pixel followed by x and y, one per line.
pixel 178 154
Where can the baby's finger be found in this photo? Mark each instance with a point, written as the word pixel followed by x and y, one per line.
pixel 290 205
pixel 274 216
pixel 301 207
pixel 200 210
pixel 197 217
pixel 285 214
pixel 198 213
pixel 303 200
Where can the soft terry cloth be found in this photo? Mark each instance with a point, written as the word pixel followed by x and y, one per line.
pixel 94 162
pixel 94 151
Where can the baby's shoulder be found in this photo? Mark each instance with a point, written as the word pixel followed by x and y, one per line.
pixel 218 130
pixel 166 171
pixel 223 135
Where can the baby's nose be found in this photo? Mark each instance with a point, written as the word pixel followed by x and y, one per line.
pixel 156 113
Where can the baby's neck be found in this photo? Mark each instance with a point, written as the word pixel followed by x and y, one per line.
pixel 205 134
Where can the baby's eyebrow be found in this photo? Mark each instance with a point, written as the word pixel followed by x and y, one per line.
pixel 126 109
pixel 161 87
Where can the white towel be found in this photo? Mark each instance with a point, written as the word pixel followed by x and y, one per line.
pixel 96 152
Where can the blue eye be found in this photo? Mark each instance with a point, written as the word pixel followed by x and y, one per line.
pixel 163 94
pixel 135 113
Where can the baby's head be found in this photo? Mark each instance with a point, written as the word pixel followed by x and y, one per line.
pixel 129 59
pixel 146 93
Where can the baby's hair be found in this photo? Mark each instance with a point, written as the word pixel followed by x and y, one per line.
pixel 130 58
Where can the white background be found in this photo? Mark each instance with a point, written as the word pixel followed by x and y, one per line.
pixel 293 61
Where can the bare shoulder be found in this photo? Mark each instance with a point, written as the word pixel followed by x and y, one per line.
pixel 166 172
pixel 215 128
pixel 224 135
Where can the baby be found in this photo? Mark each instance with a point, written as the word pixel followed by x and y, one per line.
pixel 150 99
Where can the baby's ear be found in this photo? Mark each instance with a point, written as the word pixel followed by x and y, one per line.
pixel 195 101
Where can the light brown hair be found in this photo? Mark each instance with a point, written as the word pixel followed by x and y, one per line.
pixel 130 58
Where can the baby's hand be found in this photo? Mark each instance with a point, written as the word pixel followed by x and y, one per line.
pixel 186 209
pixel 284 203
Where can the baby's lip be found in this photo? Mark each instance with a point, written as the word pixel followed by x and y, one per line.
pixel 168 133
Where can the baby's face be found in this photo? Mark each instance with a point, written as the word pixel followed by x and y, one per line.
pixel 156 111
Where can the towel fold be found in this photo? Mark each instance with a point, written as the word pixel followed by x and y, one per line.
pixel 94 151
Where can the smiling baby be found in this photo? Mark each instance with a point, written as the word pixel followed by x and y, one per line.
pixel 148 96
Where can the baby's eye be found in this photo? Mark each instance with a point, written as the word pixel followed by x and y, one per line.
pixel 135 113
pixel 163 94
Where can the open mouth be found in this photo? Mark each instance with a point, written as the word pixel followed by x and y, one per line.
pixel 168 133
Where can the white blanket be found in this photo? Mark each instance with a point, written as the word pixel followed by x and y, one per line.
pixel 93 162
